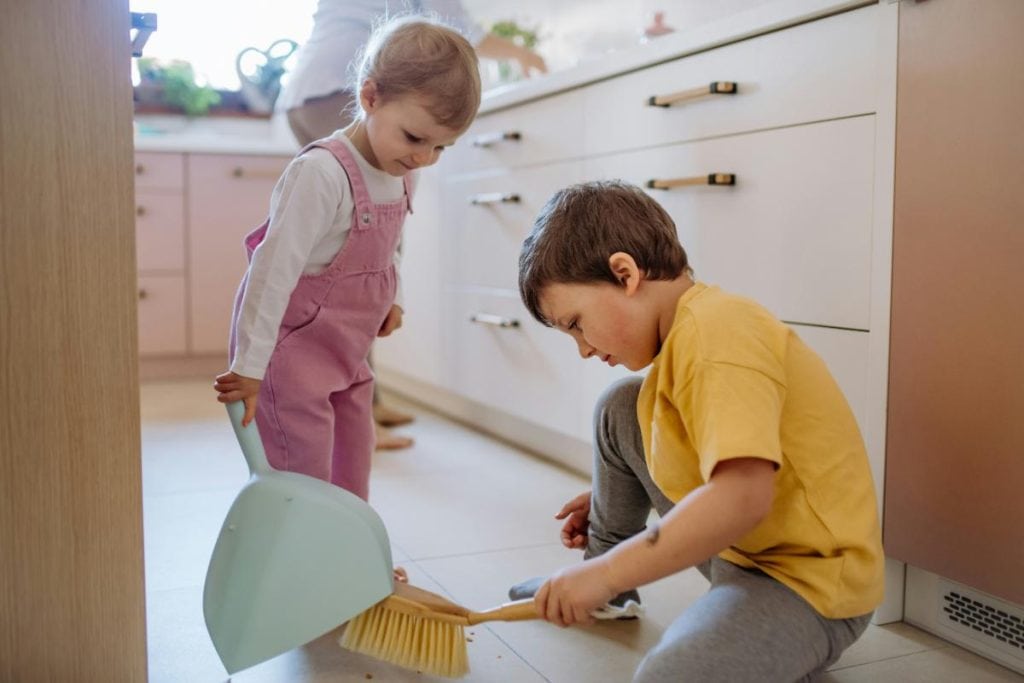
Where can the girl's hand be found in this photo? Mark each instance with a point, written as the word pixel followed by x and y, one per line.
pixel 570 595
pixel 231 387
pixel 392 322
pixel 574 531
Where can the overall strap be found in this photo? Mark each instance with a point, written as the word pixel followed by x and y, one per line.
pixel 341 152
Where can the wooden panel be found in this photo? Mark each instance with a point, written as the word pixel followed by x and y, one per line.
pixel 954 465
pixel 71 574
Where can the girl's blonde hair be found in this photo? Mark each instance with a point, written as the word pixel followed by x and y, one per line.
pixel 423 57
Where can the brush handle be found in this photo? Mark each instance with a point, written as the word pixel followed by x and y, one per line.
pixel 520 610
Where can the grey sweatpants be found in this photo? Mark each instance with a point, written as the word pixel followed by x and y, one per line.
pixel 748 626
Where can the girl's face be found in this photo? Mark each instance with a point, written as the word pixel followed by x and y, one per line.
pixel 399 134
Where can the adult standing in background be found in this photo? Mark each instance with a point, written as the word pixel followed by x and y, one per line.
pixel 318 96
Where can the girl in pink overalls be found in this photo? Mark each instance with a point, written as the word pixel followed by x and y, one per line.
pixel 322 279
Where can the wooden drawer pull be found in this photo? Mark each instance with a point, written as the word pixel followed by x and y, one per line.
pixel 493 320
pixel 139 169
pixel 140 211
pixel 709 179
pixel 490 139
pixel 495 198
pixel 143 294
pixel 714 88
pixel 239 172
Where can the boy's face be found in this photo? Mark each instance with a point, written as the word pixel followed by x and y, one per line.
pixel 607 322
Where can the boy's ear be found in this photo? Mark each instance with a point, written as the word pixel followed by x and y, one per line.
pixel 624 267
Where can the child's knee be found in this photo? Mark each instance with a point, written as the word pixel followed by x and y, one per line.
pixel 618 401
pixel 685 660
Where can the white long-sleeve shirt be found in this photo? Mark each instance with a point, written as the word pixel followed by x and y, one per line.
pixel 341 28
pixel 311 212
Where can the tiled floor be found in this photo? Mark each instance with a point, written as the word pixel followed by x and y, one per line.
pixel 467 516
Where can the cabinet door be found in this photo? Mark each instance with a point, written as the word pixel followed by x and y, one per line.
pixel 509 362
pixel 954 465
pixel 487 216
pixel 162 315
pixel 160 230
pixel 228 196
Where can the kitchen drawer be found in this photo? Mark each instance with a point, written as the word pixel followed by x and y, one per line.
pixel 159 230
pixel 488 228
pixel 162 314
pixel 550 129
pixel 793 233
pixel 154 170
pixel 529 371
pixel 812 72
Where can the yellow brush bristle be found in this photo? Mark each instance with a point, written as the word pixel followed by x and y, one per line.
pixel 415 642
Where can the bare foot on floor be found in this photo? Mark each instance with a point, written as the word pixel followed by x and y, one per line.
pixel 386 441
pixel 389 417
pixel 401 576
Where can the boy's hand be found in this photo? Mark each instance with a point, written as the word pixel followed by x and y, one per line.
pixel 392 322
pixel 231 387
pixel 574 531
pixel 571 595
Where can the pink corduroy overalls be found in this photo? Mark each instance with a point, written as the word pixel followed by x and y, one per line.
pixel 315 408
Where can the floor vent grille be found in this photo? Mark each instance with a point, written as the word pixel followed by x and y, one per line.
pixel 991 621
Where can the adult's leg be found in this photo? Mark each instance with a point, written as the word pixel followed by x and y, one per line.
pixel 748 627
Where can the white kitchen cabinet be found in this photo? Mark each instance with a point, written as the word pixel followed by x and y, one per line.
pixel 801 230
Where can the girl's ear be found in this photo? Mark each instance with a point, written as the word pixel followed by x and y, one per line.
pixel 369 98
pixel 624 267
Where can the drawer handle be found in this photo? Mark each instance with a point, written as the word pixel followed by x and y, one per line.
pixel 239 172
pixel 491 139
pixel 143 294
pixel 713 88
pixel 494 320
pixel 495 198
pixel 139 169
pixel 709 179
pixel 140 211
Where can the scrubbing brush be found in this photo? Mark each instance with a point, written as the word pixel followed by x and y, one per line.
pixel 420 630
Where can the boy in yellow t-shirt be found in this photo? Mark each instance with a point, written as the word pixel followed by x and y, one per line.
pixel 738 436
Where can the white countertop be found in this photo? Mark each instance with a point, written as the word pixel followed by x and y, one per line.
pixel 763 18
pixel 214 135
pixel 222 135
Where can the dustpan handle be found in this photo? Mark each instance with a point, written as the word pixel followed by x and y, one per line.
pixel 248 439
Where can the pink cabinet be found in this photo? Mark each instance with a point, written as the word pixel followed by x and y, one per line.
pixel 191 212
pixel 227 197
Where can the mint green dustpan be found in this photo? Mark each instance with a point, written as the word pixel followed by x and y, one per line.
pixel 296 557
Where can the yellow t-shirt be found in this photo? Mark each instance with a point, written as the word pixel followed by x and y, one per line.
pixel 732 381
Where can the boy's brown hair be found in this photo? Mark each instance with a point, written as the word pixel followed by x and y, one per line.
pixel 581 226
pixel 424 57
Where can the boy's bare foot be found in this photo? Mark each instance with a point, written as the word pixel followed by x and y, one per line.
pixel 401 576
pixel 386 441
pixel 389 417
